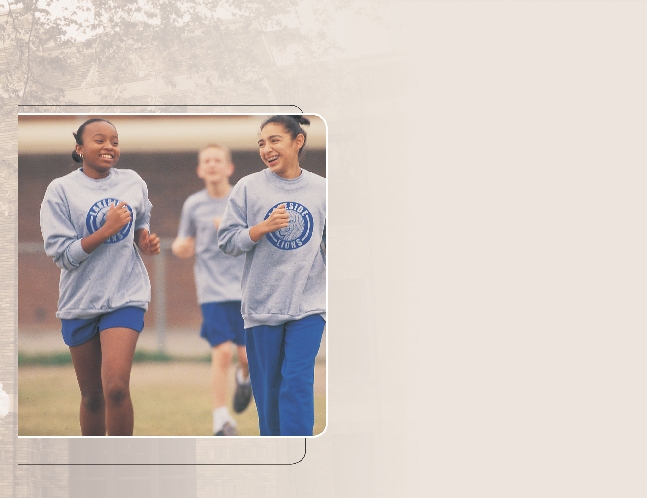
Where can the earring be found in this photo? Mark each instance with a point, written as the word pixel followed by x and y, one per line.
pixel 81 156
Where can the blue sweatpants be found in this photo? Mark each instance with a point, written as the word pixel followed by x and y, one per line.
pixel 281 366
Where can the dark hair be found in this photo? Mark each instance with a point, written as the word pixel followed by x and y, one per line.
pixel 292 125
pixel 78 136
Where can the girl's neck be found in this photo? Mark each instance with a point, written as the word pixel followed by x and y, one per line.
pixel 95 175
pixel 292 172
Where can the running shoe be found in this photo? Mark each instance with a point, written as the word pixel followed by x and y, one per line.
pixel 227 430
pixel 242 396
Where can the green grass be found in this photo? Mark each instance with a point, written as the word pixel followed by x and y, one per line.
pixel 47 359
pixel 141 356
pixel 170 398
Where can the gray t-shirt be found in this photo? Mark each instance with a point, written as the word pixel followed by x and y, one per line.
pixel 284 277
pixel 113 275
pixel 217 275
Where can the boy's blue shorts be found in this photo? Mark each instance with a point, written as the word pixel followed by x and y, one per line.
pixel 78 331
pixel 222 322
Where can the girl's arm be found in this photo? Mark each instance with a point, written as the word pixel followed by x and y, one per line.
pixel 234 236
pixel 148 243
pixel 233 233
pixel 322 245
pixel 62 242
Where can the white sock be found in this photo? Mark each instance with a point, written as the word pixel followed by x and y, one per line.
pixel 240 379
pixel 220 416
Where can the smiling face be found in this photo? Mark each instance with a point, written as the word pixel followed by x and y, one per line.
pixel 279 151
pixel 214 166
pixel 100 149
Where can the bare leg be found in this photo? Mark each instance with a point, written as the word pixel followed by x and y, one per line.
pixel 221 356
pixel 118 348
pixel 86 359
pixel 242 361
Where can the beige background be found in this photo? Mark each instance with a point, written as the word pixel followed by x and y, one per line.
pixel 487 261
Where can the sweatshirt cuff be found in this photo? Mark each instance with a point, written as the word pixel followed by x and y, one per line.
pixel 75 253
pixel 246 242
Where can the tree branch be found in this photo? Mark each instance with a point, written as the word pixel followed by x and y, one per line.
pixel 31 30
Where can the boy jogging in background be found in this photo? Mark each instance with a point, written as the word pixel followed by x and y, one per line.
pixel 218 283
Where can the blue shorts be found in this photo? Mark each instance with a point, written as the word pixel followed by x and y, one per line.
pixel 78 331
pixel 222 322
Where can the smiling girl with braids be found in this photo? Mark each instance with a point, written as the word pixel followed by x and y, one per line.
pixel 91 220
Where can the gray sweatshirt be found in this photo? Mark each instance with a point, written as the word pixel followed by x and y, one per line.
pixel 284 277
pixel 217 275
pixel 113 275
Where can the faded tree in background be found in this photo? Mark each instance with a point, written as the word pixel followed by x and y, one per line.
pixel 157 52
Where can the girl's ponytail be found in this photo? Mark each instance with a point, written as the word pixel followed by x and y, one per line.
pixel 292 125
pixel 76 157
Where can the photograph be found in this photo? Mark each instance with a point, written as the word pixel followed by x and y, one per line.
pixel 172 275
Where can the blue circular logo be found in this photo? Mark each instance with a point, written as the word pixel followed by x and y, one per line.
pixel 97 217
pixel 299 230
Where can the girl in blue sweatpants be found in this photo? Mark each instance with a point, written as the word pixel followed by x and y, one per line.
pixel 277 218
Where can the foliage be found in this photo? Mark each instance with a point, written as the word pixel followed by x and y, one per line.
pixel 180 51
pixel 27 59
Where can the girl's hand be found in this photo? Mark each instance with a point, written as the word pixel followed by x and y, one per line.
pixel 117 217
pixel 148 243
pixel 216 222
pixel 278 218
